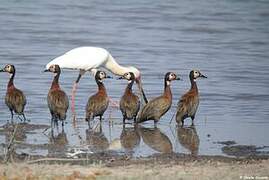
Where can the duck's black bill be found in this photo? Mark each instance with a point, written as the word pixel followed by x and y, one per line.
pixel 120 78
pixel 203 76
pixel 109 77
pixel 46 70
pixel 2 70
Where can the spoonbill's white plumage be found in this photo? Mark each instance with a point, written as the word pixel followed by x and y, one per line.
pixel 89 59
pixel 82 58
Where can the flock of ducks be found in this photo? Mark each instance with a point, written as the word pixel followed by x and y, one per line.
pixel 154 109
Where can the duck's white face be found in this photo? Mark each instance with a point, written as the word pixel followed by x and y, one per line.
pixel 196 74
pixel 102 75
pixel 127 76
pixel 172 76
pixel 135 71
pixel 8 68
pixel 52 68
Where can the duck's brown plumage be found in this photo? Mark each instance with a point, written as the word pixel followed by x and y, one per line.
pixel 157 107
pixel 98 103
pixel 129 103
pixel 57 99
pixel 189 102
pixel 14 99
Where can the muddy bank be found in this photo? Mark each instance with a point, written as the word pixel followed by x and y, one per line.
pixel 112 159
pixel 169 166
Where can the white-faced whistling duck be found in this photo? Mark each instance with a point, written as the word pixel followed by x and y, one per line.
pixel 188 104
pixel 129 103
pixel 98 103
pixel 57 99
pixel 157 107
pixel 15 99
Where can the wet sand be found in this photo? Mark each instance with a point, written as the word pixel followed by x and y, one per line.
pixel 165 166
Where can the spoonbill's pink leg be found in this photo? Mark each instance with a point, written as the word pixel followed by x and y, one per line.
pixel 74 90
pixel 114 104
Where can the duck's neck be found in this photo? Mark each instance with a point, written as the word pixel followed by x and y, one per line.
pixel 194 85
pixel 114 67
pixel 55 82
pixel 10 83
pixel 129 86
pixel 167 89
pixel 101 87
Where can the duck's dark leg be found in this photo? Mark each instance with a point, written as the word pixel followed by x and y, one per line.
pixel 11 111
pixel 20 118
pixel 24 118
pixel 124 120
pixel 192 119
pixel 182 123
pixel 62 126
pixel 52 123
pixel 155 124
pixel 56 124
pixel 100 118
pixel 89 121
pixel 89 124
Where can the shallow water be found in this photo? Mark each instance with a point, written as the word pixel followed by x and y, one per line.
pixel 227 40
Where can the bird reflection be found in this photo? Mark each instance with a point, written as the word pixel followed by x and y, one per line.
pixel 58 144
pixel 129 138
pixel 155 139
pixel 96 139
pixel 19 135
pixel 189 138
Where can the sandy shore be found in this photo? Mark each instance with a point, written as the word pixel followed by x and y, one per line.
pixel 156 167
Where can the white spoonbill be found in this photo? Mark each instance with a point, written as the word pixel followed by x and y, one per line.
pixel 89 59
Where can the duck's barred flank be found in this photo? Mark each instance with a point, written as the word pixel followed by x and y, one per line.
pixel 157 107
pixel 129 103
pixel 189 102
pixel 97 103
pixel 14 99
pixel 57 99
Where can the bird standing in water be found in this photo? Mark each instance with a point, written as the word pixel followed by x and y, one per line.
pixel 157 107
pixel 57 99
pixel 189 102
pixel 15 99
pixel 129 103
pixel 97 103
pixel 89 59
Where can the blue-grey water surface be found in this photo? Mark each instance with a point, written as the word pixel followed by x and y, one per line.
pixel 227 40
